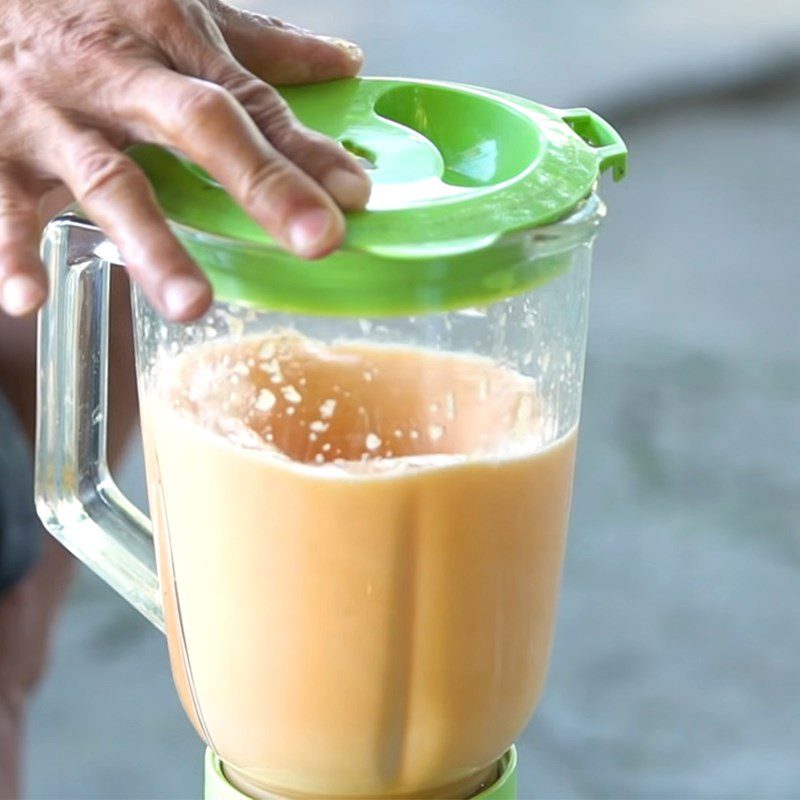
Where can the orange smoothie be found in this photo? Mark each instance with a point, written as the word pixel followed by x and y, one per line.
pixel 360 549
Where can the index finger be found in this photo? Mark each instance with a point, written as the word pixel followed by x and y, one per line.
pixel 280 53
pixel 118 197
pixel 207 124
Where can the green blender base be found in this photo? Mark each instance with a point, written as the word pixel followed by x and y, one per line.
pixel 505 788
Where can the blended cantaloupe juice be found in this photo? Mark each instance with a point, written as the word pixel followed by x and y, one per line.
pixel 360 549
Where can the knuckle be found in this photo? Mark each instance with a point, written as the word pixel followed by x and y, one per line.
pixel 13 205
pixel 246 88
pixel 222 70
pixel 269 110
pixel 313 150
pixel 101 171
pixel 268 177
pixel 160 13
pixel 164 9
pixel 164 21
pixel 200 103
pixel 314 145
pixel 18 228
pixel 19 222
pixel 219 8
pixel 274 22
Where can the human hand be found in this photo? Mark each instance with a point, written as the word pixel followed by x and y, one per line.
pixel 82 81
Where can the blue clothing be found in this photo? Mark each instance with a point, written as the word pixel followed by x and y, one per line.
pixel 20 532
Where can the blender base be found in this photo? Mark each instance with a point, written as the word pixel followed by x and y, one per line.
pixel 218 788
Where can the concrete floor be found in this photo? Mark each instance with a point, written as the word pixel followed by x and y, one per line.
pixel 675 667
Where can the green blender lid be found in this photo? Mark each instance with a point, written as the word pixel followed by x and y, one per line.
pixel 459 174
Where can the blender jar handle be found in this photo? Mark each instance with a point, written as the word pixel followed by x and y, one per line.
pixel 594 130
pixel 76 497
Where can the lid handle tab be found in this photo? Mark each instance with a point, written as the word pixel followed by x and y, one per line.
pixel 594 130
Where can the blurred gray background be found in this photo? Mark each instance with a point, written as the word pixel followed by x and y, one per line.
pixel 677 659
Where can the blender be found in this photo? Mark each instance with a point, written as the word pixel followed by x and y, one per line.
pixel 359 469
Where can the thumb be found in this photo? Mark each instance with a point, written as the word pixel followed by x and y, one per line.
pixel 282 54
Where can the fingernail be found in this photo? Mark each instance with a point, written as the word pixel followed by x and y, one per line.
pixel 183 296
pixel 21 294
pixel 353 51
pixel 310 232
pixel 348 189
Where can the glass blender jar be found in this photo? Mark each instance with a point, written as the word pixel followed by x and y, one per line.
pixel 359 469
